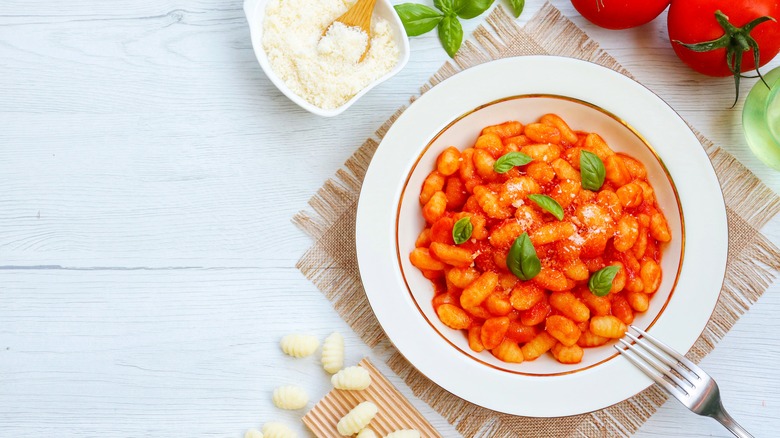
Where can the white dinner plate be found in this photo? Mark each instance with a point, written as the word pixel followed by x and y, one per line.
pixel 590 98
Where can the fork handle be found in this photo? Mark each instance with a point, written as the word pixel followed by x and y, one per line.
pixel 725 419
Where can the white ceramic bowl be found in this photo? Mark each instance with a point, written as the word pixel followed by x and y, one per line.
pixel 255 14
pixel 591 98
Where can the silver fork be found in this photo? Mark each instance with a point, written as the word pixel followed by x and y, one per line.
pixel 679 377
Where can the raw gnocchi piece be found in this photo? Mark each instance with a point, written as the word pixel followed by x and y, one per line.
pixel 357 419
pixel 404 433
pixel 367 433
pixel 354 378
pixel 290 397
pixel 274 429
pixel 333 353
pixel 253 433
pixel 297 345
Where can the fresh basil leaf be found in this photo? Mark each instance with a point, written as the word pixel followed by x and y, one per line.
pixel 522 259
pixel 418 19
pixel 517 6
pixel 461 232
pixel 600 282
pixel 446 6
pixel 592 170
pixel 468 9
pixel 510 160
pixel 548 204
pixel 450 34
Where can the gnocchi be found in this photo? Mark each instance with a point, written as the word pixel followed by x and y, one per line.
pixel 253 433
pixel 357 419
pixel 290 397
pixel 274 429
pixel 577 232
pixel 297 345
pixel 333 353
pixel 354 378
pixel 367 433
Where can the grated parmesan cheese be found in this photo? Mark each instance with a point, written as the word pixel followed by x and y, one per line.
pixel 324 70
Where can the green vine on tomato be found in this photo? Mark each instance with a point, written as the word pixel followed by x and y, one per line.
pixel 725 37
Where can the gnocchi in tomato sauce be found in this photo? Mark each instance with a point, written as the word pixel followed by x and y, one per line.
pixel 538 239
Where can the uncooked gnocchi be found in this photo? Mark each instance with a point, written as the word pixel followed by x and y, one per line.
pixel 367 433
pixel 277 430
pixel 290 397
pixel 351 378
pixel 333 353
pixel 357 419
pixel 253 433
pixel 297 345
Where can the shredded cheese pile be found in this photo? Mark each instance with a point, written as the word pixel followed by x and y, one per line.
pixel 324 70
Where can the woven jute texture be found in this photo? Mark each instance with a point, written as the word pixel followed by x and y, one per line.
pixel 753 261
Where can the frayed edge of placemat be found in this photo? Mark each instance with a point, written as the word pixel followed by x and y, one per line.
pixel 753 260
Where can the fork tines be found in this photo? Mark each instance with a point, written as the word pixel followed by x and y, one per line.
pixel 671 370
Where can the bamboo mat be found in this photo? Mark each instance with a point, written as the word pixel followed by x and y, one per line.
pixel 331 264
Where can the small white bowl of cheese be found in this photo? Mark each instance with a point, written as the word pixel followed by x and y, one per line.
pixel 323 75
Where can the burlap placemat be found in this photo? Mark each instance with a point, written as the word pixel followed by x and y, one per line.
pixel 331 264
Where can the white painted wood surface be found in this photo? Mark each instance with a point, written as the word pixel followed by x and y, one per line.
pixel 148 174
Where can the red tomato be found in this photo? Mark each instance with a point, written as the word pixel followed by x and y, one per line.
pixel 620 14
pixel 694 21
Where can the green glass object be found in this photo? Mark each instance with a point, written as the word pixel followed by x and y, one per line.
pixel 761 119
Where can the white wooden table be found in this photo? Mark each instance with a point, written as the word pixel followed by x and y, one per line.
pixel 148 174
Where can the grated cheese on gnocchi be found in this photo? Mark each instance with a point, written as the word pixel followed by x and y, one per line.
pixel 599 215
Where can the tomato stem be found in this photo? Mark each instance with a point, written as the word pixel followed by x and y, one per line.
pixel 736 41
